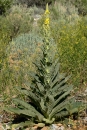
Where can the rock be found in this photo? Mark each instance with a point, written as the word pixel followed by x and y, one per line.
pixel 45 128
pixel 1 126
pixel 57 126
pixel 27 129
pixel 85 90
pixel 85 120
pixel 61 128
pixel 54 127
pixel 35 127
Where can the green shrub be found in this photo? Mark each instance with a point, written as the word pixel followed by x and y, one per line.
pixel 4 6
pixel 17 62
pixel 20 54
pixel 20 20
pixel 16 22
pixel 72 43
pixel 64 12
pixel 4 39
pixel 80 4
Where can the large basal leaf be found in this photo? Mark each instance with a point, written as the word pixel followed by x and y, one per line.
pixel 62 114
pixel 63 95
pixel 20 111
pixel 74 106
pixel 29 107
pixel 61 106
pixel 25 124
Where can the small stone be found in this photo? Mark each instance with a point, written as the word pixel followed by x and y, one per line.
pixel 86 91
pixel 54 127
pixel 27 128
pixel 35 127
pixel 45 128
pixel 61 128
pixel 85 120
pixel 59 124
pixel 1 126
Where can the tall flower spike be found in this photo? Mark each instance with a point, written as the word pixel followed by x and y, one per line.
pixel 47 10
pixel 46 27
pixel 47 38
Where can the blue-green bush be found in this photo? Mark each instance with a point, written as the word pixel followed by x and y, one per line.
pixel 20 54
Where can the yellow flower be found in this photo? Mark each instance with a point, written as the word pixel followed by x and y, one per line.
pixel 46 21
pixel 47 12
pixel 46 27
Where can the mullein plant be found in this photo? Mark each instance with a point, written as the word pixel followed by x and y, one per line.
pixel 48 95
